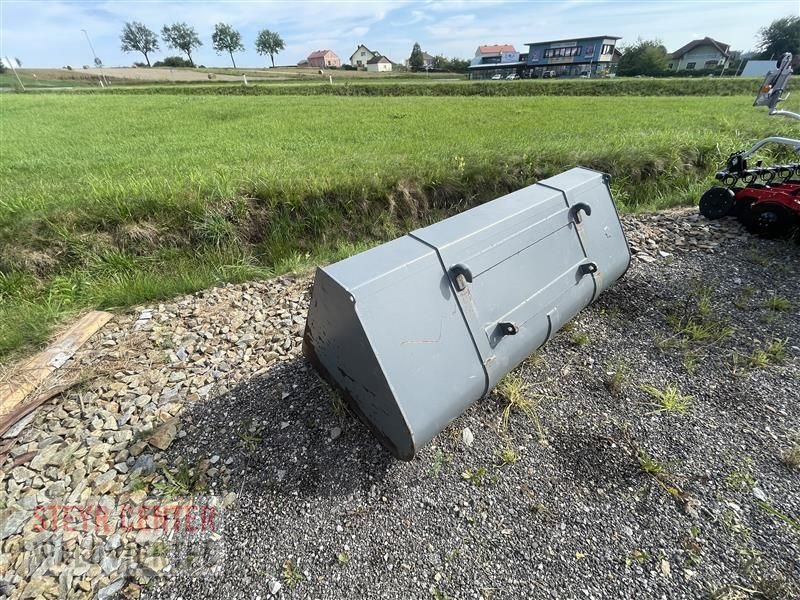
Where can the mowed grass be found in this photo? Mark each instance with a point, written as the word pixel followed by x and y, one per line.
pixel 110 201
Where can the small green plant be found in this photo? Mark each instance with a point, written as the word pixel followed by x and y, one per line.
pixel 649 465
pixel 343 558
pixel 182 481
pixel 579 338
pixel 438 594
pixel 743 478
pixel 769 509
pixel 616 378
pixel 760 358
pixel 515 391
pixel 439 460
pixel 475 477
pixel 507 455
pixel 338 407
pixel 669 400
pixel 250 435
pixel 690 360
pixel 733 523
pixel 777 350
pixel 291 574
pixel 659 473
pixel 637 556
pixel 779 304
pixel 139 484
pixel 742 302
pixel 158 548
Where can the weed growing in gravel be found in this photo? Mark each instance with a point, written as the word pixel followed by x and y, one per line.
pixel 730 592
pixel 760 358
pixel 649 465
pixel 515 391
pixel 138 484
pixel 692 545
pixel 769 509
pixel 616 377
pixel 742 479
pixel 669 400
pixel 475 477
pixel 579 339
pixel 694 326
pixel 439 460
pixel 291 574
pixel 249 435
pixel 182 481
pixel 637 556
pixel 507 455
pixel 158 548
pixel 343 558
pixel 733 524
pixel 779 304
pixel 338 407
pixel 742 302
pixel 438 594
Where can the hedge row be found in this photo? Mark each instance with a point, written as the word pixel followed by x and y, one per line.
pixel 598 87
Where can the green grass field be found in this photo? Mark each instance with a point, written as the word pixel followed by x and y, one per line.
pixel 114 200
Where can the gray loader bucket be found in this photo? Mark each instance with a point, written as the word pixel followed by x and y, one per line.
pixel 414 331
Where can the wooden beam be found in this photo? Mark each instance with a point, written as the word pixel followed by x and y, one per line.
pixel 30 376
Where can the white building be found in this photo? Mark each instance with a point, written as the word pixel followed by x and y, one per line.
pixel 379 64
pixel 700 54
pixel 362 56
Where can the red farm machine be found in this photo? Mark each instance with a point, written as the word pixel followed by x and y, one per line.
pixel 766 199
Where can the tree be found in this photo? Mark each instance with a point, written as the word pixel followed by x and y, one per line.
pixel 136 37
pixel 226 39
pixel 415 61
pixel 173 61
pixel 269 42
pixel 2 66
pixel 454 65
pixel 179 36
pixel 783 35
pixel 645 57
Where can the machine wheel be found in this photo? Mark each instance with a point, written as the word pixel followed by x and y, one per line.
pixel 717 202
pixel 744 212
pixel 771 220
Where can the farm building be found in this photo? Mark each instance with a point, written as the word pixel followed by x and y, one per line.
pixel 587 56
pixel 362 56
pixel 706 53
pixel 379 64
pixel 324 58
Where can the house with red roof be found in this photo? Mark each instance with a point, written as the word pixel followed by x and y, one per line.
pixel 323 58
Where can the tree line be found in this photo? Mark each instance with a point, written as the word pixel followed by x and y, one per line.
pixel 137 37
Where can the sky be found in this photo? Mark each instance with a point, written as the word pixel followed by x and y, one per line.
pixel 48 33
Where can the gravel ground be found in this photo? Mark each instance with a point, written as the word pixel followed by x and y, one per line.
pixel 603 491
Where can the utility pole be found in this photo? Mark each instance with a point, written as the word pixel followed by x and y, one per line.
pixel 97 61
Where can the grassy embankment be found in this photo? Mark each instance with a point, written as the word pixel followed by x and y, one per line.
pixel 419 86
pixel 110 201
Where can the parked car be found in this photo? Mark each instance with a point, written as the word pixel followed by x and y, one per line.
pixel 512 77
pixel 549 75
pixel 585 75
pixel 496 77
